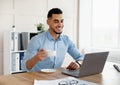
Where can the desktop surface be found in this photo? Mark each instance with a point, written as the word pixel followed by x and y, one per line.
pixel 109 76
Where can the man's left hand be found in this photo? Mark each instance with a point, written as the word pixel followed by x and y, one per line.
pixel 73 66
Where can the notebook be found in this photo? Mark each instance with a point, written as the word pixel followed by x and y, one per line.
pixel 93 63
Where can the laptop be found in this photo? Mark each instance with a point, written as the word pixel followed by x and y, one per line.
pixel 93 63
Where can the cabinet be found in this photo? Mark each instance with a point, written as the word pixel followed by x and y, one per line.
pixel 15 45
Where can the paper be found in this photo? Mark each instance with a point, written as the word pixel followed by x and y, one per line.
pixel 63 81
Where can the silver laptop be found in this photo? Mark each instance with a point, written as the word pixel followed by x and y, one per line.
pixel 93 63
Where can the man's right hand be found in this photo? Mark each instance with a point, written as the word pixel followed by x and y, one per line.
pixel 41 55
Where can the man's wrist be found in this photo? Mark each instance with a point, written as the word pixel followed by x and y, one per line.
pixel 79 63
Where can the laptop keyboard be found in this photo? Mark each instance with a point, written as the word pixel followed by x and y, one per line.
pixel 71 72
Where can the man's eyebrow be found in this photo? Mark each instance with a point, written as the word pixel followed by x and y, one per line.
pixel 58 20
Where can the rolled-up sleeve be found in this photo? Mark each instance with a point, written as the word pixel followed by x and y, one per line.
pixel 73 51
pixel 31 51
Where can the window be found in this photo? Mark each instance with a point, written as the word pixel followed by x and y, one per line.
pixel 99 24
pixel 105 23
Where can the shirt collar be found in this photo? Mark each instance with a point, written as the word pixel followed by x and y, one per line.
pixel 50 36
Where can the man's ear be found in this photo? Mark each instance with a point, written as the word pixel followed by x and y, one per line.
pixel 48 21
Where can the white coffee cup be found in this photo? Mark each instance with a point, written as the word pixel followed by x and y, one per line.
pixel 51 53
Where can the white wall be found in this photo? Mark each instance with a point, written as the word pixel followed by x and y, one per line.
pixel 24 14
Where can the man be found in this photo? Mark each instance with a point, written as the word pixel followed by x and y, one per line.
pixel 36 56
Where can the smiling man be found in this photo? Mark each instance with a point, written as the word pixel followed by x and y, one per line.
pixel 36 57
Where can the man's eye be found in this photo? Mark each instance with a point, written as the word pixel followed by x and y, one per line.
pixel 56 21
pixel 62 21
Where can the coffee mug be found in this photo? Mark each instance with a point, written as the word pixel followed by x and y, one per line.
pixel 51 53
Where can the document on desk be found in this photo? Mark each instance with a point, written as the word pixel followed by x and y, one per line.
pixel 63 81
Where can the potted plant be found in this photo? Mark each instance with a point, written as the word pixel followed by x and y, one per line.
pixel 40 27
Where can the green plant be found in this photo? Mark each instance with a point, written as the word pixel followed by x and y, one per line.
pixel 40 27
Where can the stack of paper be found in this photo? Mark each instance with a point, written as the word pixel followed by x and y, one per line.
pixel 64 81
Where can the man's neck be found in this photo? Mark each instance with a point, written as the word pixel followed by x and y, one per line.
pixel 54 35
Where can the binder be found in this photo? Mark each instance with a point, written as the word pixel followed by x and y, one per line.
pixel 20 44
pixel 21 59
pixel 15 62
pixel 15 41
pixel 12 41
pixel 25 39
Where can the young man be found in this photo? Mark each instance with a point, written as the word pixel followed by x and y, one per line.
pixel 36 56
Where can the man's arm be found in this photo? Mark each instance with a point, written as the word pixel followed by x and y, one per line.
pixel 41 55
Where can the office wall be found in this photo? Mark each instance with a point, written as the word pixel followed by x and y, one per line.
pixel 24 14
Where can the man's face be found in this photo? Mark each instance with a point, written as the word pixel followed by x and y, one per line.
pixel 56 23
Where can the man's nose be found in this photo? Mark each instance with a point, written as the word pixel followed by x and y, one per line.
pixel 60 23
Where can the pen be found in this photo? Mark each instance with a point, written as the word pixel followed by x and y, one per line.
pixel 116 67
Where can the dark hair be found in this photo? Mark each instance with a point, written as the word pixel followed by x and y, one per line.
pixel 54 11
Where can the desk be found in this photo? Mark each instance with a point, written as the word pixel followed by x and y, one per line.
pixel 109 76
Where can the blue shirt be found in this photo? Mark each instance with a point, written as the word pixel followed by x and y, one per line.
pixel 44 40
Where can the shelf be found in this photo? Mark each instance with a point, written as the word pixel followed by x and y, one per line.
pixel 19 51
pixel 14 42
pixel 21 71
